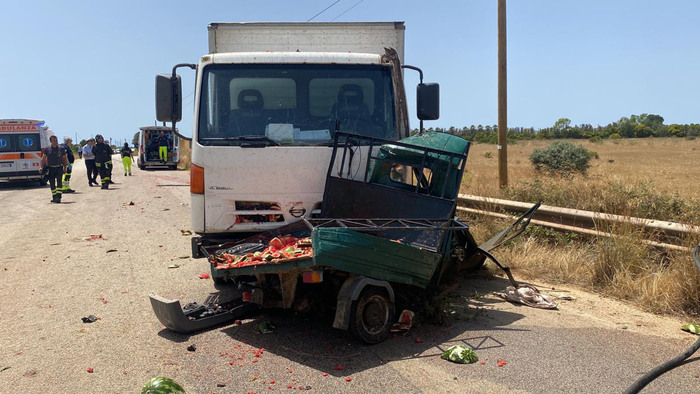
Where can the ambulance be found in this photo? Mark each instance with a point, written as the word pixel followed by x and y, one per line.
pixel 21 145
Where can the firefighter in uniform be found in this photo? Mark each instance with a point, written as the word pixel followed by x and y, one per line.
pixel 67 142
pixel 54 162
pixel 103 160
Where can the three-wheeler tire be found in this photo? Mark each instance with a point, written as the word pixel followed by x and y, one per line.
pixel 371 315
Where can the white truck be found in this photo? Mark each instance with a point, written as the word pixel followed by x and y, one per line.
pixel 269 98
pixel 21 145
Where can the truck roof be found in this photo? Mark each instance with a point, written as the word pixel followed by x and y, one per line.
pixel 295 58
pixel 158 128
pixel 21 121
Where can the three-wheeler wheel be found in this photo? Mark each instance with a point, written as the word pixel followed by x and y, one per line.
pixel 371 315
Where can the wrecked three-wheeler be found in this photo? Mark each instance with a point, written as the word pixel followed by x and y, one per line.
pixel 387 229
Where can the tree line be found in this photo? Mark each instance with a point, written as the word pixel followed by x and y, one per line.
pixel 635 126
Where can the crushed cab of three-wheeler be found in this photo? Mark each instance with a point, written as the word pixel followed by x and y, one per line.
pixel 387 222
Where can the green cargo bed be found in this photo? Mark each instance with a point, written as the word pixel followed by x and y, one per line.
pixel 357 253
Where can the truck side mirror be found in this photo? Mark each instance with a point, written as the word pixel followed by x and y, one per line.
pixel 168 98
pixel 428 101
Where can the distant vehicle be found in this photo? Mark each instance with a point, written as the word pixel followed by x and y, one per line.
pixel 148 148
pixel 22 142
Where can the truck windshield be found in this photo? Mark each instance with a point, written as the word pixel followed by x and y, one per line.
pixel 294 105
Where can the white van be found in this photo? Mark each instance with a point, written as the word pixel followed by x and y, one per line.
pixel 149 148
pixel 22 142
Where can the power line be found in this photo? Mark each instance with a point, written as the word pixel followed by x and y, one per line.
pixel 324 10
pixel 347 10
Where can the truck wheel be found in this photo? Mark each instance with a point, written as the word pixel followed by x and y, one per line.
pixel 371 315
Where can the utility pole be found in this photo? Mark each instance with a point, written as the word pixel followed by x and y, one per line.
pixel 502 98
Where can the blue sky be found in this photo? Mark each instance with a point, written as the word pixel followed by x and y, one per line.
pixel 88 66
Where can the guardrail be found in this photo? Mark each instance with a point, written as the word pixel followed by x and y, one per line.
pixel 667 235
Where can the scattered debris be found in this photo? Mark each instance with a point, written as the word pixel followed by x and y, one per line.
pixel 165 209
pixel 91 237
pixel 221 385
pixel 692 328
pixel 265 328
pixel 185 232
pixel 111 250
pixel 405 322
pixel 460 354
pixel 90 370
pixel 90 319
pixel 174 266
pixel 530 296
pixel 4 368
pixel 203 276
pixel 501 363
pixel 192 348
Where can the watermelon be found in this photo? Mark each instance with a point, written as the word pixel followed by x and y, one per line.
pixel 161 385
pixel 276 243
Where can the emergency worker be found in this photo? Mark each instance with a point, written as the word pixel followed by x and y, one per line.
pixel 103 160
pixel 127 157
pixel 163 147
pixel 54 162
pixel 67 142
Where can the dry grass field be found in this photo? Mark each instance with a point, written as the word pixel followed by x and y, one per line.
pixel 653 178
pixel 671 164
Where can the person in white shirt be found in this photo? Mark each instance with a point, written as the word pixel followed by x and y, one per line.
pixel 90 162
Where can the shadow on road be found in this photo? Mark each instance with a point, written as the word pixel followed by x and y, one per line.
pixel 312 341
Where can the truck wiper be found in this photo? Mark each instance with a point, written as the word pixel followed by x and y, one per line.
pixel 249 138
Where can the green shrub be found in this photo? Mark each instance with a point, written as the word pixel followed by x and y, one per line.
pixel 562 158
pixel 596 139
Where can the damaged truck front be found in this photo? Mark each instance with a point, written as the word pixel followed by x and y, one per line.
pixel 269 98
pixel 387 228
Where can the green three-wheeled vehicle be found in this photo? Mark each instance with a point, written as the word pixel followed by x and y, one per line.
pixel 387 226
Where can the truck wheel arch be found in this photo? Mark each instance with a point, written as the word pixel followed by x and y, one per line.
pixel 349 292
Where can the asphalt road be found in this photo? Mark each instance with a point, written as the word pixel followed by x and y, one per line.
pixel 101 252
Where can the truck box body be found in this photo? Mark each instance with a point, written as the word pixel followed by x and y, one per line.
pixel 358 37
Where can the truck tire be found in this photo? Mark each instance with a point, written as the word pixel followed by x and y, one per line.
pixel 371 315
